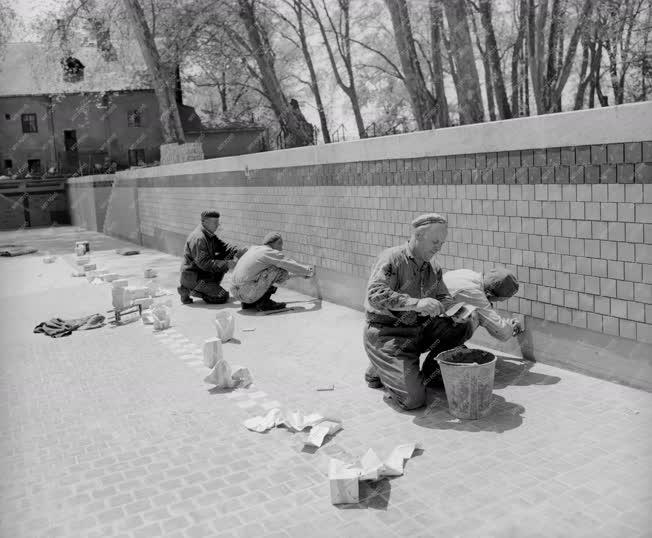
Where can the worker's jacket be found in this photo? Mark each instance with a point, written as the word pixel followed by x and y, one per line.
pixel 207 254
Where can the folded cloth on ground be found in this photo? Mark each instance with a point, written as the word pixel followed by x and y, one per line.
pixel 57 327
pixel 127 251
pixel 16 250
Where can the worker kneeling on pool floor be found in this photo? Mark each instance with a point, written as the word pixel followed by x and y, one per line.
pixel 259 269
pixel 481 290
pixel 206 259
pixel 406 296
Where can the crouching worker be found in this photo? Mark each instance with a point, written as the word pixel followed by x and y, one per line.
pixel 259 269
pixel 206 259
pixel 405 296
pixel 481 291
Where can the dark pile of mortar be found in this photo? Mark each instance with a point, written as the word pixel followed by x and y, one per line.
pixel 469 356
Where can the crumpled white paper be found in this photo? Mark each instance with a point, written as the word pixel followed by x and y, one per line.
pixel 320 431
pixel 371 467
pixel 222 377
pixel 154 290
pixel 161 314
pixel 296 421
pixel 225 325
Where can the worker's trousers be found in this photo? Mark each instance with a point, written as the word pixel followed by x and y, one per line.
pixel 206 286
pixel 250 292
pixel 394 353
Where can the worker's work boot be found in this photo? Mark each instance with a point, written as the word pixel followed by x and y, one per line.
pixel 267 305
pixel 372 379
pixel 185 295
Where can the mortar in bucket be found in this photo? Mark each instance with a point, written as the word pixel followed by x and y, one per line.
pixel 468 376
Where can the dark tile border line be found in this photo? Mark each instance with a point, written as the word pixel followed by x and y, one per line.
pixel 609 163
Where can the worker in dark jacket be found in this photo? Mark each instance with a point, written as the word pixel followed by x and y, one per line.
pixel 206 259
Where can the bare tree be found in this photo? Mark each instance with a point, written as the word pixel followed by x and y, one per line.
pixel 296 129
pixel 436 23
pixel 301 42
pixel 342 36
pixel 621 18
pixel 518 56
pixel 486 64
pixel 161 78
pixel 461 48
pixel 549 67
pixel 423 102
pixel 491 51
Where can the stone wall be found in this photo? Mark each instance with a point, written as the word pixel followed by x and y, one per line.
pixel 563 200
pixel 181 153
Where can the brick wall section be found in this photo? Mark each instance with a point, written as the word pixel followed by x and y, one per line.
pixel 181 153
pixel 575 223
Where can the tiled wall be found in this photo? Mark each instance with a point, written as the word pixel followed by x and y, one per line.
pixel 574 222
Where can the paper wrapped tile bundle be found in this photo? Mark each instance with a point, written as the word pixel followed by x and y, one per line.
pixel 242 377
pixel 149 273
pixel 145 302
pixel 83 260
pixel 90 267
pixel 124 295
pixel 344 483
pixel 225 325
pixel 319 432
pixel 110 277
pixel 222 376
pixel 78 273
pixel 296 421
pixel 212 352
pixel 49 259
pixel 370 467
pixel 161 314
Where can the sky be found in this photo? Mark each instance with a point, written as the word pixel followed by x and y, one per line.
pixel 27 11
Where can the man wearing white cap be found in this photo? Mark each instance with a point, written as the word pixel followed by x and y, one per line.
pixel 259 269
pixel 405 297
pixel 482 290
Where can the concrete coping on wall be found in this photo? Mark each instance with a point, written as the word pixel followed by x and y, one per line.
pixel 609 125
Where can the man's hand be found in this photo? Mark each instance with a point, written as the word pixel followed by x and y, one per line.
pixel 429 306
pixel 517 328
pixel 231 264
pixel 311 272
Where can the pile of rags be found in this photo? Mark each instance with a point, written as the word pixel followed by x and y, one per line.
pixel 57 327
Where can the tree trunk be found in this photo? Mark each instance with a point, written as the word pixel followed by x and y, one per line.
pixel 292 124
pixel 344 48
pixel 583 78
pixel 178 93
pixel 486 67
pixel 491 49
pixel 163 86
pixel 516 55
pixel 470 94
pixel 224 94
pixel 423 103
pixel 442 119
pixel 314 84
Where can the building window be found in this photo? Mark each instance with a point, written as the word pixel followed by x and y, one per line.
pixel 29 123
pixel 34 166
pixel 7 116
pixel 134 118
pixel 73 69
pixel 136 157
pixel 8 164
pixel 105 101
